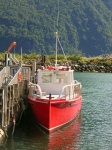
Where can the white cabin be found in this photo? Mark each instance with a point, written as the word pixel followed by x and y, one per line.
pixel 52 81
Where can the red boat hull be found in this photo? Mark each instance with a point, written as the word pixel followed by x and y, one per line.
pixel 52 114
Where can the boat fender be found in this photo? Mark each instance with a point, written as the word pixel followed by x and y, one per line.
pixel 19 77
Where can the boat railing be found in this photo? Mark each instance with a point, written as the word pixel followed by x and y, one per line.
pixel 71 91
pixel 35 89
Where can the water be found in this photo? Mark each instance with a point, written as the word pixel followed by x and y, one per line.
pixel 91 131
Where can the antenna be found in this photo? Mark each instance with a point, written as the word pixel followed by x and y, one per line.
pixel 58 15
pixel 21 56
pixel 56 47
pixel 57 39
pixel 57 34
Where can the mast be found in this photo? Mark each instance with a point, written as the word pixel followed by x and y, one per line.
pixel 57 35
pixel 21 56
pixel 58 41
pixel 56 47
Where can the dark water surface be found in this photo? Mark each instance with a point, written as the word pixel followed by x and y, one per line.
pixel 91 131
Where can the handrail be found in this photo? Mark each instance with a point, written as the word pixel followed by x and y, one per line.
pixel 5 72
pixel 70 86
pixel 38 87
pixel 15 78
pixel 71 89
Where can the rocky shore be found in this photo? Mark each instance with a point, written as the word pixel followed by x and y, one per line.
pixel 94 64
pixel 92 68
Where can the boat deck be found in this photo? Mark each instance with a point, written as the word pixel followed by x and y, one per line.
pixel 53 97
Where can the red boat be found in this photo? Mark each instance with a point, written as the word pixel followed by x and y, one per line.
pixel 56 99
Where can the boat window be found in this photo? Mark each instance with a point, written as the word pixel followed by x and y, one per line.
pixel 47 78
pixel 61 78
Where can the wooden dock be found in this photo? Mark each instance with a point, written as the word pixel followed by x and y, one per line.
pixel 14 79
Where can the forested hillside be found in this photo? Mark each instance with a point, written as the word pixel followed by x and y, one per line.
pixel 84 26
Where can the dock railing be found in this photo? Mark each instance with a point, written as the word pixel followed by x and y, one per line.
pixel 25 75
pixel 4 74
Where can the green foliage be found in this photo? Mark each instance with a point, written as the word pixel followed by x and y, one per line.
pixel 2 55
pixel 84 26
pixel 72 59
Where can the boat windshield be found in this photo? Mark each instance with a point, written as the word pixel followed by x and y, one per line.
pixel 57 78
pixel 61 78
pixel 47 78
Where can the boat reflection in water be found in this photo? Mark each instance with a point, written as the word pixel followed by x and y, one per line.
pixel 67 137
pixel 31 137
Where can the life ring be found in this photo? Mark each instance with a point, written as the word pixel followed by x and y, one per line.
pixel 50 67
pixel 62 68
pixel 19 77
